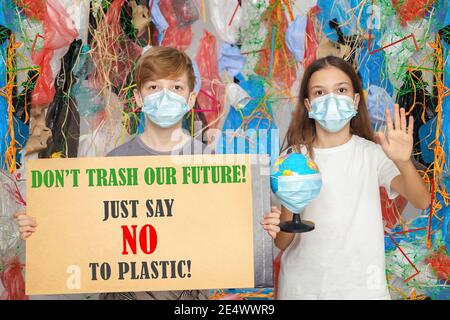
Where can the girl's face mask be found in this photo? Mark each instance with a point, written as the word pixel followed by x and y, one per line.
pixel 332 111
pixel 165 108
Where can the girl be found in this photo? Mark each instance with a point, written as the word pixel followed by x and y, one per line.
pixel 343 258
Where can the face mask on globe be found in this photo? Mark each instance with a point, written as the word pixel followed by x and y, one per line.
pixel 296 192
pixel 332 111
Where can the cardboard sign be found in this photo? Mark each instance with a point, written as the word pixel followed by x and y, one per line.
pixel 143 223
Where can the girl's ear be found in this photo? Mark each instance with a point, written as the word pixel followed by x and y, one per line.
pixel 356 101
pixel 307 104
pixel 191 100
pixel 138 98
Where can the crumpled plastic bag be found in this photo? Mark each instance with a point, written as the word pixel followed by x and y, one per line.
pixel 378 100
pixel 221 14
pixel 59 32
pixel 295 37
pixel 211 93
pixel 230 59
pixel 179 37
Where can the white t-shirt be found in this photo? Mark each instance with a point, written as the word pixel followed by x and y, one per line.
pixel 343 257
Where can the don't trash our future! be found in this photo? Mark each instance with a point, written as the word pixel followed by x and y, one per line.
pixel 113 177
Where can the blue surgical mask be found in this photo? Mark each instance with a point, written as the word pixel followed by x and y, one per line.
pixel 165 108
pixel 296 192
pixel 332 111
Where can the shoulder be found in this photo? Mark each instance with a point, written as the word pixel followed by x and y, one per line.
pixel 123 149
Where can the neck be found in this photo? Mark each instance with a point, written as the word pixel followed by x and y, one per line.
pixel 325 139
pixel 163 139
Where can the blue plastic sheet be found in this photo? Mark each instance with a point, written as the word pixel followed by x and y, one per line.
pixel 260 136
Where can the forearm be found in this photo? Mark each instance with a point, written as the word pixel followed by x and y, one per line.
pixel 412 186
pixel 284 239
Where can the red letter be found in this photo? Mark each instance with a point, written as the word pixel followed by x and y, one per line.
pixel 131 239
pixel 151 241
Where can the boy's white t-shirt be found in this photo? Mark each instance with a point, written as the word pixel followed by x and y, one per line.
pixel 343 257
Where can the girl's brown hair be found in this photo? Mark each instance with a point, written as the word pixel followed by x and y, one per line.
pixel 302 129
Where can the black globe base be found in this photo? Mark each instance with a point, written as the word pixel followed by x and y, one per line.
pixel 297 225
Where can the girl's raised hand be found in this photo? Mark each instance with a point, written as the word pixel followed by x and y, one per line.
pixel 398 141
pixel 271 221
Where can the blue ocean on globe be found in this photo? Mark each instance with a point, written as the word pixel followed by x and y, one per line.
pixel 291 164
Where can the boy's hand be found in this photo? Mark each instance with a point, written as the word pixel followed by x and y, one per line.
pixel 271 221
pixel 27 224
pixel 397 144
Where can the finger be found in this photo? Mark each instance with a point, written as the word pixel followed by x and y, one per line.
pixel 274 221
pixel 389 124
pixel 403 119
pixel 273 234
pixel 396 118
pixel 275 209
pixel 272 215
pixel 23 223
pixel 382 140
pixel 24 217
pixel 273 228
pixel 26 229
pixel 19 213
pixel 25 235
pixel 411 125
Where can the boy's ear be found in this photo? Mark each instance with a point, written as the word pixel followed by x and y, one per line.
pixel 138 98
pixel 192 97
pixel 307 104
pixel 356 101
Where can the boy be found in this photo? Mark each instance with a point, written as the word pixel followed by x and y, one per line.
pixel 165 81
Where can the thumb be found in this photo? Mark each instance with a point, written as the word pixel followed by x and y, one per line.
pixel 380 138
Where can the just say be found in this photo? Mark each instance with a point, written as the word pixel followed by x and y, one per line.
pixel 128 208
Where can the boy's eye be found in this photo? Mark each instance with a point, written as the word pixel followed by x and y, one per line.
pixel 177 87
pixel 152 87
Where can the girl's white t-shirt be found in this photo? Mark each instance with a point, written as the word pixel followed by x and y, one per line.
pixel 343 257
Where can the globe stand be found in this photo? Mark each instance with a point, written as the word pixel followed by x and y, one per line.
pixel 297 225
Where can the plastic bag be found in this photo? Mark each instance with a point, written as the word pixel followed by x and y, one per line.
pixel 187 12
pixel 230 59
pixel 295 37
pixel 391 209
pixel 409 10
pixel 157 16
pixel 226 19
pixel 174 36
pixel 251 128
pixel 211 93
pixel 59 32
pixel 13 282
pixel 312 42
pixel 378 100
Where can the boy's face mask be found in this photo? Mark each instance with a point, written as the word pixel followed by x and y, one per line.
pixel 165 108
pixel 332 111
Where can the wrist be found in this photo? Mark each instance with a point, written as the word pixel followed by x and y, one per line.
pixel 403 164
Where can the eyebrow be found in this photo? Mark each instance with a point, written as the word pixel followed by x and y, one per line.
pixel 337 84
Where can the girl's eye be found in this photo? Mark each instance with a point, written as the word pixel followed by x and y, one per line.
pixel 318 93
pixel 342 90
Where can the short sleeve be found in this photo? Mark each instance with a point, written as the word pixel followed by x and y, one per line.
pixel 387 171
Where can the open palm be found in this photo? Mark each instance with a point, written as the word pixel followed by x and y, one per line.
pixel 397 143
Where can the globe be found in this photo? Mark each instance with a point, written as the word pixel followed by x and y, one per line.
pixel 291 164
